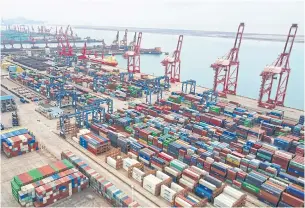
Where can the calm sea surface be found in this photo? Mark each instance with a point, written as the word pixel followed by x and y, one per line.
pixel 198 53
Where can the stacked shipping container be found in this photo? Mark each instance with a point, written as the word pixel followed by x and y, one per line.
pixel 19 141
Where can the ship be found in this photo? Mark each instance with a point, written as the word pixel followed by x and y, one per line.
pixel 109 60
pixel 153 51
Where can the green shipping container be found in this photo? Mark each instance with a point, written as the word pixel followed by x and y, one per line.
pixel 250 187
pixel 35 174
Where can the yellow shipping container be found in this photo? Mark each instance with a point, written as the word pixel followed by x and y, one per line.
pixel 5 65
pixel 19 69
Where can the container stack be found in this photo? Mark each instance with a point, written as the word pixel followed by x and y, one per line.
pixel 296 166
pixel 187 199
pixel 253 182
pixel 282 143
pixel 208 187
pixel 158 163
pixel 127 162
pixel 169 192
pixel 174 173
pixel 292 197
pixel 61 188
pixel 145 156
pixel 16 142
pixel 152 184
pixel 190 178
pixel 94 143
pixel 177 164
pixel 282 158
pixel 270 193
pixel 48 184
pixel 102 186
pixel 230 197
pixel 114 159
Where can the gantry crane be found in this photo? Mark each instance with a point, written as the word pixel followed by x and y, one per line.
pixel 115 43
pixel 133 56
pixel 72 36
pixel 192 88
pixel 133 42
pixel 226 68
pixel 172 64
pixel 123 43
pixel 281 68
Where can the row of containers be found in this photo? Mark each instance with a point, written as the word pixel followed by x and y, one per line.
pixel 273 120
pixel 102 186
pixel 43 186
pixel 18 141
pixel 147 157
pixel 217 145
pixel 176 182
pixel 39 84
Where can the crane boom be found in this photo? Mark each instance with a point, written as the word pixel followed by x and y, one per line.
pixel 281 68
pixel 172 64
pixel 133 56
pixel 227 68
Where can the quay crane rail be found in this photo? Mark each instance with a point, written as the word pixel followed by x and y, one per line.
pixel 281 68
pixel 227 68
pixel 172 64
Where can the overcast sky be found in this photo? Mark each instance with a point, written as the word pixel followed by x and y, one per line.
pixel 262 16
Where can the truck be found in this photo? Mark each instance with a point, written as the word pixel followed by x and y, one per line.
pixel 23 100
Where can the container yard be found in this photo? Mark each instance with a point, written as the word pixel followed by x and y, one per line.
pixel 80 131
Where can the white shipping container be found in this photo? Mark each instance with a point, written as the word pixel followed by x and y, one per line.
pixel 223 200
pixel 171 171
pixel 167 193
pixel 156 167
pixel 111 162
pixel 207 184
pixel 198 171
pixel 133 156
pixel 188 179
pixel 150 182
pixel 233 192
pixel 229 109
pixel 190 152
pixel 23 138
pixel 143 160
pixel 176 187
pixel 186 183
pixel 162 175
pixel 181 202
pixel 284 185
pixel 127 162
pixel 137 174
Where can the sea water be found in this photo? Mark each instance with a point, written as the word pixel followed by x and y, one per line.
pixel 198 53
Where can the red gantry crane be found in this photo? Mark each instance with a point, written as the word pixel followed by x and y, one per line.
pixel 172 64
pixel 133 56
pixel 227 68
pixel 281 68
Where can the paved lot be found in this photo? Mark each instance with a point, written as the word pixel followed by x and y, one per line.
pixel 17 165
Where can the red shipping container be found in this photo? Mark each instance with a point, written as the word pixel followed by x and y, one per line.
pixel 291 200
